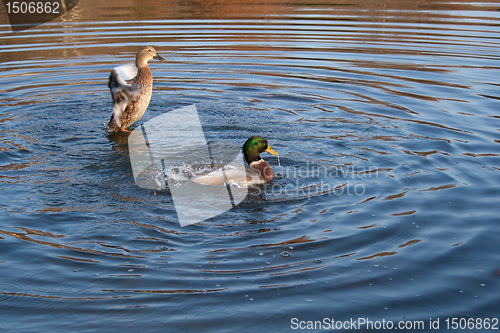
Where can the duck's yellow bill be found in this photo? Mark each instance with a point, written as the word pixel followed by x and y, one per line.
pixel 270 151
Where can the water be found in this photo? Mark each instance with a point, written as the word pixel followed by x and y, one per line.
pixel 401 99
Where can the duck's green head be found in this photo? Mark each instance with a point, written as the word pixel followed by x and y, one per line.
pixel 254 146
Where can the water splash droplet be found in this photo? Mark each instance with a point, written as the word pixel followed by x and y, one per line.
pixel 285 254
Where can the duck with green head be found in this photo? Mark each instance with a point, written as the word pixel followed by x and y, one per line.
pixel 252 149
pixel 259 171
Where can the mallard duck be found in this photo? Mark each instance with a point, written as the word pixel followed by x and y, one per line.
pixel 259 171
pixel 131 95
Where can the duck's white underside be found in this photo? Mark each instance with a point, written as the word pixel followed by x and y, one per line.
pixel 127 71
pixel 234 175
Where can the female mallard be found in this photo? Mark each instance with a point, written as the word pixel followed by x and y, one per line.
pixel 131 97
pixel 259 171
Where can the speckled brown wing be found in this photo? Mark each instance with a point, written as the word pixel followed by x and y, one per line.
pixel 130 103
pixel 124 95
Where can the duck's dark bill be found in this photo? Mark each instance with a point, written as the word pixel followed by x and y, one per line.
pixel 157 57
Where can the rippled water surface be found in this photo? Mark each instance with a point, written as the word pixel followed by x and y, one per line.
pixel 401 101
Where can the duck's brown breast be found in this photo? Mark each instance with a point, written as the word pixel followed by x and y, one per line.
pixel 264 170
pixel 144 79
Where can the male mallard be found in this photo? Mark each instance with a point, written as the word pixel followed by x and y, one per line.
pixel 260 172
pixel 131 97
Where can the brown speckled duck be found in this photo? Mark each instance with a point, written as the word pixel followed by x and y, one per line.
pixel 131 97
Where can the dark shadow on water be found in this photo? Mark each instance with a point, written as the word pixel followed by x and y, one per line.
pixel 119 141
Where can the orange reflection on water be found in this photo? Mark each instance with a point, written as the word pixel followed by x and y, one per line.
pixel 381 254
pixel 404 213
pixel 412 242
pixel 25 237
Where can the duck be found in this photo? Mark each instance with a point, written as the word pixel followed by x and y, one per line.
pixel 131 96
pixel 258 171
